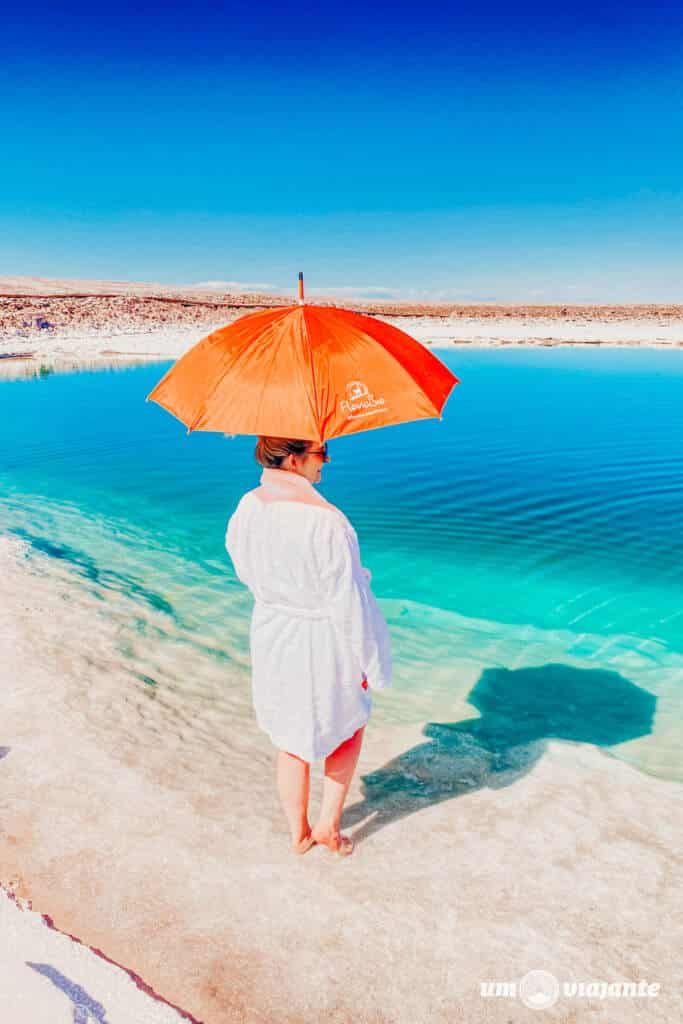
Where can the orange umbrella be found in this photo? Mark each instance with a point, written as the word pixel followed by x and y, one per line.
pixel 310 372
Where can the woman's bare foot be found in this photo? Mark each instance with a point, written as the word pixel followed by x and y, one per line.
pixel 333 839
pixel 302 845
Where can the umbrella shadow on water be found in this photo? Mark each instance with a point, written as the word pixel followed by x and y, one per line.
pixel 519 710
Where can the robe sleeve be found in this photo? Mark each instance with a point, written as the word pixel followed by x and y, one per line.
pixel 355 607
pixel 235 545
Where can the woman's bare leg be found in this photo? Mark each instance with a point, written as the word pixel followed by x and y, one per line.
pixel 293 783
pixel 339 768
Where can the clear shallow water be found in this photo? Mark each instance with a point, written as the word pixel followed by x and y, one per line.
pixel 539 524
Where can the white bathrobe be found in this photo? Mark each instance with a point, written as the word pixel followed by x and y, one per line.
pixel 316 628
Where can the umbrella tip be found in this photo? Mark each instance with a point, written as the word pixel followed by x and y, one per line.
pixel 301 287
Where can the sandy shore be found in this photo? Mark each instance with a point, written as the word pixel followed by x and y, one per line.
pixel 55 321
pixel 184 877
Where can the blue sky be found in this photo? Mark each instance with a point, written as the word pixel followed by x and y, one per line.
pixel 480 152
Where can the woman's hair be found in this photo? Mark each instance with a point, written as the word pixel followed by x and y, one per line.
pixel 272 451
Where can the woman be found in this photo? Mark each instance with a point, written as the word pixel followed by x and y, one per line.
pixel 318 637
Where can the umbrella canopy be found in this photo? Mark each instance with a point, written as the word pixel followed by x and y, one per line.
pixel 310 372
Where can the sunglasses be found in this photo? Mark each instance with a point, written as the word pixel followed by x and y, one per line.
pixel 320 451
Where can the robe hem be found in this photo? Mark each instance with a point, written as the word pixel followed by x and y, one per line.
pixel 347 733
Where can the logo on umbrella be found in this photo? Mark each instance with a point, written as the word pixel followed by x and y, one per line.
pixel 356 389
pixel 360 401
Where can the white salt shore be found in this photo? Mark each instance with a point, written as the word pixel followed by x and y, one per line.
pixel 183 875
pixel 114 343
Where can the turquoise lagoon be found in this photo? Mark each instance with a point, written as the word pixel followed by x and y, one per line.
pixel 527 550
